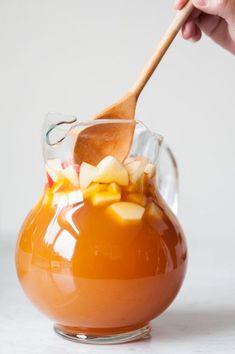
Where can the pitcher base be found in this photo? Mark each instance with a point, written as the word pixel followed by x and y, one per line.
pixel 80 336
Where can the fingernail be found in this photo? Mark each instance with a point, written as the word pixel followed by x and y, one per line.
pixel 201 3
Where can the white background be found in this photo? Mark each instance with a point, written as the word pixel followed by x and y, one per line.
pixel 77 57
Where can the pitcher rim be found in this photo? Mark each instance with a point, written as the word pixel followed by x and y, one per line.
pixel 74 122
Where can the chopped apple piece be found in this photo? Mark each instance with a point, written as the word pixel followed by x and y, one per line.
pixel 137 198
pixel 150 169
pixel 103 186
pixel 135 170
pixel 88 173
pixel 54 175
pixel 91 190
pixel 71 174
pixel 67 163
pixel 133 166
pixel 50 180
pixel 111 170
pixel 54 168
pixel 154 211
pixel 55 164
pixel 114 188
pixel 126 211
pixel 105 198
pixel 70 162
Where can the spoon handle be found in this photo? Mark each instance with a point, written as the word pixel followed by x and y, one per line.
pixel 164 44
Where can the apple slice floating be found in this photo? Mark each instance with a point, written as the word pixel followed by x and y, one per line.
pixel 135 170
pixel 114 188
pixel 126 212
pixel 105 198
pixel 111 170
pixel 67 163
pixel 91 190
pixel 71 174
pixel 88 174
pixel 54 168
pixel 55 164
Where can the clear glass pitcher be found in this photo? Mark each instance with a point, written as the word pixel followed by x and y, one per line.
pixel 102 252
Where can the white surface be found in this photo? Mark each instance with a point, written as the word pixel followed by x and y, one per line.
pixel 201 320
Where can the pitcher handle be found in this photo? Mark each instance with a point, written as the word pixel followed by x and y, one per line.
pixel 168 178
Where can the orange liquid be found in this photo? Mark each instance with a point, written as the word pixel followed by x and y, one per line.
pixel 88 272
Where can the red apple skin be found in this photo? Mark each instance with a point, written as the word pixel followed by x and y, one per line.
pixel 77 168
pixel 50 180
pixel 68 163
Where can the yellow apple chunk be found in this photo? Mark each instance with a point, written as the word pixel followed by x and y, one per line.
pixel 87 174
pixel 111 170
pixel 55 164
pixel 135 170
pixel 91 190
pixel 105 198
pixel 126 212
pixel 114 188
pixel 71 175
pixel 54 169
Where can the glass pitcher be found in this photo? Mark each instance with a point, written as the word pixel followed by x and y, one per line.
pixel 102 253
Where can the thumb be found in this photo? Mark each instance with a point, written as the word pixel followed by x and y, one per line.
pixel 222 8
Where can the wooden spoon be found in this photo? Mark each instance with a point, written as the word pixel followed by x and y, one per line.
pixel 97 141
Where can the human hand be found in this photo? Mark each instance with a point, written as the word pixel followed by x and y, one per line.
pixel 215 18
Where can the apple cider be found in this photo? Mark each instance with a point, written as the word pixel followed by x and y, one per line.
pixel 101 252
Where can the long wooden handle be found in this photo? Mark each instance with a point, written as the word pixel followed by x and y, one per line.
pixel 164 44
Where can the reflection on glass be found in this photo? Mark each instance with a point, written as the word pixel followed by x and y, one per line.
pixel 64 245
